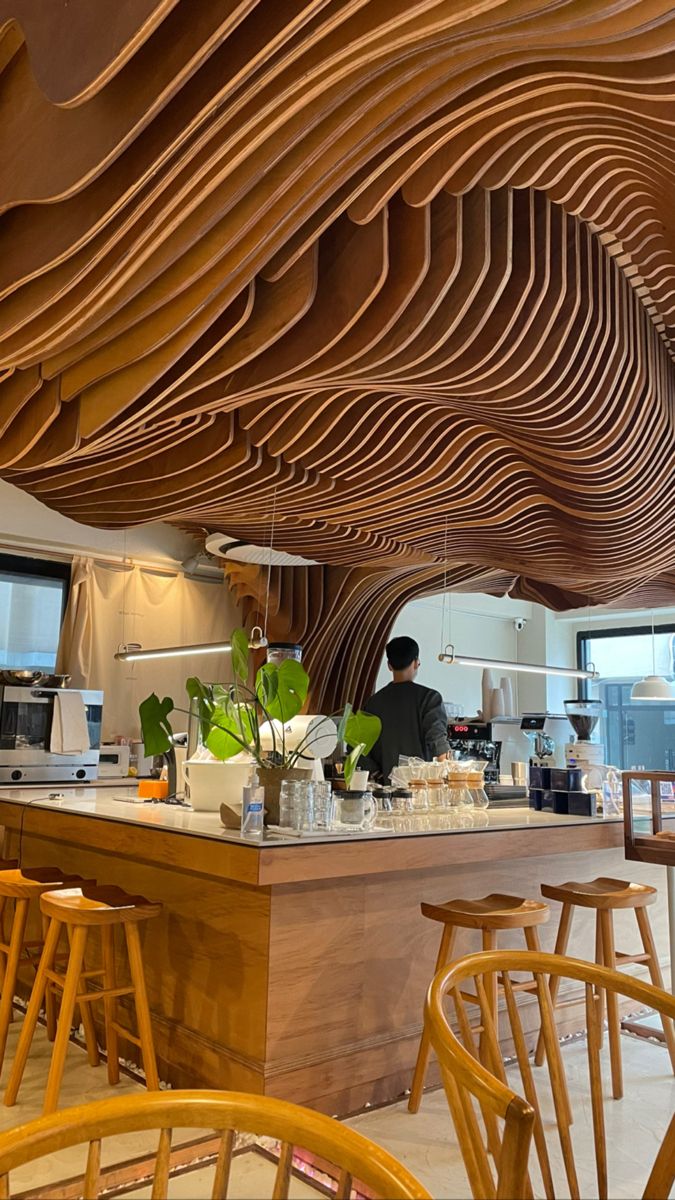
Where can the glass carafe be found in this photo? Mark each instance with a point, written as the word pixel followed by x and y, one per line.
pixel 476 784
pixel 457 791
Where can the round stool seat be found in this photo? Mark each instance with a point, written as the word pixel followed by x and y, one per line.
pixel 602 893
pixel 102 905
pixel 495 911
pixel 31 882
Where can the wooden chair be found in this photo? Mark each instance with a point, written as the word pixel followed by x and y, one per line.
pixel 604 896
pixel 79 911
pixel 498 1161
pixel 24 887
pixel 489 915
pixel 355 1157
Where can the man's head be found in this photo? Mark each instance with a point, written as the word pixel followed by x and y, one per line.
pixel 403 658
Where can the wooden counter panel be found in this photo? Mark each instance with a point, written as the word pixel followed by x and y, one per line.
pixel 205 956
pixel 294 864
pixel 140 843
pixel 349 997
pixel 313 990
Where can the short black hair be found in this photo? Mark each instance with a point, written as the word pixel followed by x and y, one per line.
pixel 401 652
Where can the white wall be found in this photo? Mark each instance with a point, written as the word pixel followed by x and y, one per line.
pixel 25 522
pixel 476 624
pixel 138 605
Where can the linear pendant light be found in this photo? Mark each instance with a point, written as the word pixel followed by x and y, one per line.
pixel 468 660
pixel 135 653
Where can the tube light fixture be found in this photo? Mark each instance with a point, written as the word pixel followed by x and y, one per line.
pixel 135 653
pixel 468 660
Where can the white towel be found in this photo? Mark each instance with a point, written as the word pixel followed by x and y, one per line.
pixel 70 734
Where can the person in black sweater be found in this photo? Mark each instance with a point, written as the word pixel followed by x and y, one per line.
pixel 414 721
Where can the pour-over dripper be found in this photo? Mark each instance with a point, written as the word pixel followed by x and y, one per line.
pixel 583 716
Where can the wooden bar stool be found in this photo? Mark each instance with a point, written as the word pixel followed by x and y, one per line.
pixel 24 887
pixel 604 896
pixel 490 914
pixel 79 910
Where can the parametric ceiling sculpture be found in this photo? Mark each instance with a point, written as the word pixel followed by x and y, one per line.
pixel 397 278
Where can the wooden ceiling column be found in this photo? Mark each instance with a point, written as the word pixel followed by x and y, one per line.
pixel 402 271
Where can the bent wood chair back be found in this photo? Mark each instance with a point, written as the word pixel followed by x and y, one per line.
pixel 354 1158
pixel 514 1122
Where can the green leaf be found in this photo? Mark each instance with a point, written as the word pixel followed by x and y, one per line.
pixel 267 685
pixel 239 644
pixel 362 728
pixel 221 741
pixel 352 762
pixel 292 685
pixel 155 725
pixel 204 694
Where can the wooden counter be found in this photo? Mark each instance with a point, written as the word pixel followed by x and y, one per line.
pixel 299 969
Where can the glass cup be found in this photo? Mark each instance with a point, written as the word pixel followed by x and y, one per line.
pixel 324 805
pixel 302 807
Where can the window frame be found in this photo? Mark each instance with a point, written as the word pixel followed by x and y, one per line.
pixel 585 635
pixel 40 568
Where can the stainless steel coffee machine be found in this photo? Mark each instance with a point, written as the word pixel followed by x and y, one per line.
pixel 26 716
pixel 473 739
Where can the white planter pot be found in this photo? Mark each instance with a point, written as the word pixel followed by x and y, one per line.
pixel 210 784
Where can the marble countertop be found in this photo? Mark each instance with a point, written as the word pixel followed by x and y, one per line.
pixel 117 803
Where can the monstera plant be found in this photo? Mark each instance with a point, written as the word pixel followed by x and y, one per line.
pixel 232 715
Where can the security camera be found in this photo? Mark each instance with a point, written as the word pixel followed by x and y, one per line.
pixel 519 624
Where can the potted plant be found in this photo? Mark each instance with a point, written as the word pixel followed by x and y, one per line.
pixel 236 717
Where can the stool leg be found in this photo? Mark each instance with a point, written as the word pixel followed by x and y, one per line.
pixel 490 984
pixel 600 960
pixel 142 1007
pixel 562 938
pixel 443 956
pixel 3 939
pixel 78 942
pixel 50 1002
pixel 655 975
pixel 613 1023
pixel 32 1012
pixel 87 1019
pixel 110 1004
pixel 11 971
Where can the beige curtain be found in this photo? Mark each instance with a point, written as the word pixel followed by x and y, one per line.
pixel 75 644
pixel 112 604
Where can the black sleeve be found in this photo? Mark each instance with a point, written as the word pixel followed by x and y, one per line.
pixel 372 762
pixel 435 724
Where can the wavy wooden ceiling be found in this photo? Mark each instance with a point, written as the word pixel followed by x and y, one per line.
pixel 402 272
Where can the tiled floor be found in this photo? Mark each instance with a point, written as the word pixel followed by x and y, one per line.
pixel 426 1143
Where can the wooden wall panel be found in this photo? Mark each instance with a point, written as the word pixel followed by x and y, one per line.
pixel 390 269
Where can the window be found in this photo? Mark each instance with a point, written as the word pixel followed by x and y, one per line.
pixel 33 596
pixel 634 734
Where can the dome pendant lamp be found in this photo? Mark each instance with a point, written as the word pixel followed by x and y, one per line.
pixel 652 687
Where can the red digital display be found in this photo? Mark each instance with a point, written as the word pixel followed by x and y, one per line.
pixel 460 728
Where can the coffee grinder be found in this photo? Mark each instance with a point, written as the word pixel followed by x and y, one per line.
pixel 583 716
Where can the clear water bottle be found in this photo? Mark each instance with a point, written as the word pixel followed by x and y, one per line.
pixel 253 810
pixel 612 794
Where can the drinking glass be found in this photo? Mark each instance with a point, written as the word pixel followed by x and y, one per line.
pixel 302 807
pixel 323 805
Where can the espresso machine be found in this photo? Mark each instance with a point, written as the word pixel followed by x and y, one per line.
pixel 473 739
